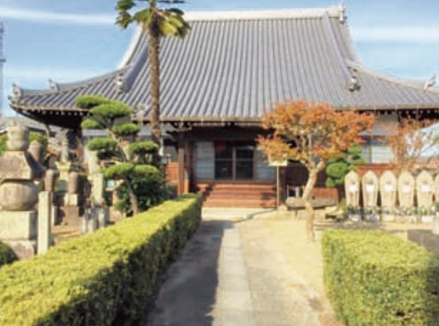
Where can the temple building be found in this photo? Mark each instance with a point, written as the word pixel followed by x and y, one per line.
pixel 217 83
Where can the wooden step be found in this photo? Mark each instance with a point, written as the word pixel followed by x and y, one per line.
pixel 250 203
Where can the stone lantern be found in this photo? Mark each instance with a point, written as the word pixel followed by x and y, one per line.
pixel 19 193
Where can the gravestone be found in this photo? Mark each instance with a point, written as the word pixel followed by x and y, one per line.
pixel 370 196
pixel 352 189
pixel 424 195
pixel 388 191
pixel 19 193
pixel 406 195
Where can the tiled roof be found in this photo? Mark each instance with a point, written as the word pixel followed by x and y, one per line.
pixel 235 65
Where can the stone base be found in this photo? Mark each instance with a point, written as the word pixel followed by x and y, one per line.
pixel 19 231
pixel 115 215
pixel 70 215
pixel 24 249
pixel 388 218
pixel 426 219
pixel 18 225
pixel 71 200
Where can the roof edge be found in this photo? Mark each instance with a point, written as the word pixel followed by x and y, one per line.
pixel 135 40
pixel 419 85
pixel 266 14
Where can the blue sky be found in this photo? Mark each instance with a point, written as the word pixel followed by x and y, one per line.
pixel 73 40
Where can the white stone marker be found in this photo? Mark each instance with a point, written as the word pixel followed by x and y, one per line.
pixel 44 221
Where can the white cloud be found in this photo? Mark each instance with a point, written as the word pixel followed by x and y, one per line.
pixel 49 17
pixel 405 34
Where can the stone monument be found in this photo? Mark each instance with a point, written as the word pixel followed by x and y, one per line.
pixel 71 200
pixel 352 189
pixel 370 196
pixel 424 195
pixel 388 192
pixel 19 193
pixel 49 186
pixel 406 195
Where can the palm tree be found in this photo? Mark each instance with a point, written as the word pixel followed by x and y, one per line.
pixel 159 22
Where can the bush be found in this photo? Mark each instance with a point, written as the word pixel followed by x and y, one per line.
pixel 373 278
pixel 7 255
pixel 105 278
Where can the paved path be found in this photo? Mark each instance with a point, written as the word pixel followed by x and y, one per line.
pixel 230 274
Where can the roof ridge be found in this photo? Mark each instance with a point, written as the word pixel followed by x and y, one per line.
pixel 419 85
pixel 263 14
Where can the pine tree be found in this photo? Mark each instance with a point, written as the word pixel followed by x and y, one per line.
pixel 132 159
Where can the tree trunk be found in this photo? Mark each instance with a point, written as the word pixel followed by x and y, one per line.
pixel 312 179
pixel 154 59
pixel 133 198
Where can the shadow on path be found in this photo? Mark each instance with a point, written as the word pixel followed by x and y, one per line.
pixel 187 297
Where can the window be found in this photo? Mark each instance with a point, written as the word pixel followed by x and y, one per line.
pixel 234 160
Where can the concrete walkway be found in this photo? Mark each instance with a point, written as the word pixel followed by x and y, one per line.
pixel 228 275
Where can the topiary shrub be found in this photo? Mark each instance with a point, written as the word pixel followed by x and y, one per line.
pixel 106 278
pixel 373 278
pixel 7 255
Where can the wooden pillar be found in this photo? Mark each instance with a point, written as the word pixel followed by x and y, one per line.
pixel 181 164
pixel 189 167
pixel 283 185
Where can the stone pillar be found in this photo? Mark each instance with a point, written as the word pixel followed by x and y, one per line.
pixel 44 221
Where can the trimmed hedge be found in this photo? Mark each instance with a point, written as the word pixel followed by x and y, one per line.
pixel 105 278
pixel 373 278
pixel 7 255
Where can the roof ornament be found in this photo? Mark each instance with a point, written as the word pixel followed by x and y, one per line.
pixel 119 84
pixel 354 84
pixel 53 85
pixel 430 82
pixel 17 91
pixel 343 12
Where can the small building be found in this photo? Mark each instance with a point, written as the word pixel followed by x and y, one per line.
pixel 217 84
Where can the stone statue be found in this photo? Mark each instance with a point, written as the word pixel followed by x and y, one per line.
pixel 424 190
pixel 370 189
pixel 388 192
pixel 406 190
pixel 35 150
pixel 352 188
pixel 424 195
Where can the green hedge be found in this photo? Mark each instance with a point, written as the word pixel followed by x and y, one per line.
pixel 7 256
pixel 106 278
pixel 373 278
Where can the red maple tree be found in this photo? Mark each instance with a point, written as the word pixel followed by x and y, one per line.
pixel 311 133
